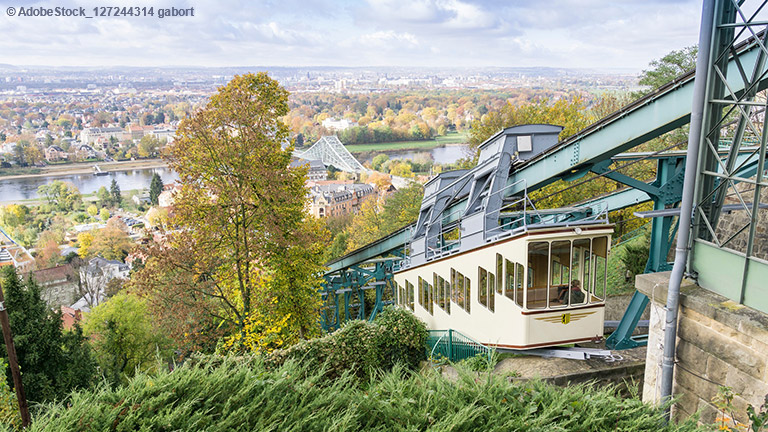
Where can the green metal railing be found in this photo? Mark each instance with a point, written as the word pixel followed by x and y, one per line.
pixel 454 346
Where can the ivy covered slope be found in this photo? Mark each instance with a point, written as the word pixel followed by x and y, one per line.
pixel 363 377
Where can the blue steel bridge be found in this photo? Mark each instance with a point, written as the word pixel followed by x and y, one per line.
pixel 726 176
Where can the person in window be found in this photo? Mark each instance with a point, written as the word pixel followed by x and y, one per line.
pixel 577 295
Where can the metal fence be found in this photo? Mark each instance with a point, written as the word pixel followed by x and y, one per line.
pixel 454 346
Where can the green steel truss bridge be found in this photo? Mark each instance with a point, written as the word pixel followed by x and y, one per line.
pixel 332 152
pixel 728 166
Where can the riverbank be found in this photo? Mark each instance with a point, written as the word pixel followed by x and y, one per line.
pixel 441 141
pixel 87 168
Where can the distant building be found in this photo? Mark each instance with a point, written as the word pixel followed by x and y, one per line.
pixel 317 170
pixel 13 254
pixel 94 278
pixel 55 153
pixel 70 317
pixel 84 151
pixel 137 131
pixel 165 199
pixel 111 268
pixel 337 125
pixel 58 284
pixel 91 135
pixel 164 135
pixel 335 198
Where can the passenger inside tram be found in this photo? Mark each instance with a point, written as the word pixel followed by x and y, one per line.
pixel 556 269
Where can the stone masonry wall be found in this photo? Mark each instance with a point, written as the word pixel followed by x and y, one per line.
pixel 719 342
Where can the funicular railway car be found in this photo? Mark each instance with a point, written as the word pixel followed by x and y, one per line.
pixel 485 262
pixel 542 287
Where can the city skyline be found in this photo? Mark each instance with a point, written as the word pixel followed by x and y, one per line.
pixel 372 33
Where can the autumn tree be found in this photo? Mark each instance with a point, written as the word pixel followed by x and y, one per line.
pixel 246 258
pixel 105 198
pixel 104 215
pixel 382 216
pixel 92 210
pixel 568 113
pixel 84 242
pixel 63 195
pixel 112 242
pixel 149 146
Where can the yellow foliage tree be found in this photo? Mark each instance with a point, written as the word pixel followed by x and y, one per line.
pixel 84 240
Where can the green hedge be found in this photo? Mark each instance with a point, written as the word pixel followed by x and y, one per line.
pixel 232 395
pixel 362 348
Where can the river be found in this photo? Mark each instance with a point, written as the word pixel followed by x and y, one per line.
pixel 12 190
pixel 26 188
pixel 442 155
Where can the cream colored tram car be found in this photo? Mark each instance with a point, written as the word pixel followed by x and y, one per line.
pixel 505 294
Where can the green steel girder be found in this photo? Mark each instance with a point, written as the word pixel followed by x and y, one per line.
pixel 350 284
pixel 389 245
pixel 666 189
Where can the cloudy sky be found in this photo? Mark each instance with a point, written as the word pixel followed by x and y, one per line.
pixel 623 34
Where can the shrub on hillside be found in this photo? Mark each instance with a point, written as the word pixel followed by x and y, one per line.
pixel 635 256
pixel 360 347
pixel 404 339
pixel 230 395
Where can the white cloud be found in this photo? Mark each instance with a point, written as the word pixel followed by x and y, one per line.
pixel 389 38
pixel 560 33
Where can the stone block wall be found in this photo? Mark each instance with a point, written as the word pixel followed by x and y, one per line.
pixel 719 343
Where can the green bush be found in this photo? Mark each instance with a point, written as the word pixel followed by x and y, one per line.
pixel 9 405
pixel 635 256
pixel 232 395
pixel 361 348
pixel 403 340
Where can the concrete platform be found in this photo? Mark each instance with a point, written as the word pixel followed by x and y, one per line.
pixel 624 373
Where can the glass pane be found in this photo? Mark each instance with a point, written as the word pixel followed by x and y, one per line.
pixel 409 288
pixel 460 290
pixel 438 298
pixel 453 285
pixel 468 288
pixel 580 271
pixel 520 273
pixel 420 285
pixel 600 251
pixel 482 286
pixel 491 293
pixel 447 296
pixel 431 299
pixel 499 273
pixel 560 261
pixel 509 283
pixel 538 274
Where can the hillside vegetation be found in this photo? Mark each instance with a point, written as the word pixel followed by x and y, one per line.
pixel 244 395
pixel 363 377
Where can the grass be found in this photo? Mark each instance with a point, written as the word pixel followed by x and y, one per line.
pixel 19 171
pixel 451 138
pixel 242 394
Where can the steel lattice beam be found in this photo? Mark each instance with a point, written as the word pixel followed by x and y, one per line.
pixel 332 152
